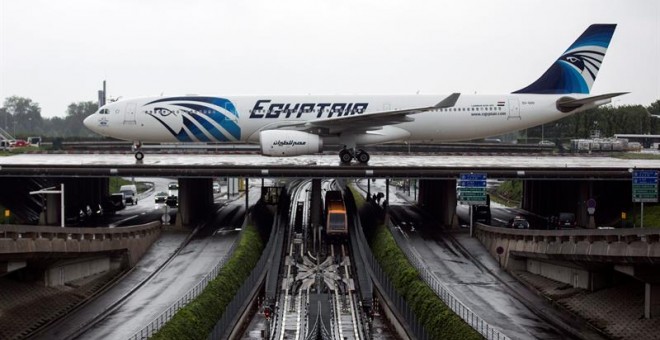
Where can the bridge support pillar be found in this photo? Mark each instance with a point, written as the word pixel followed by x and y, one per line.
pixel 195 199
pixel 438 197
pixel 53 203
pixel 651 300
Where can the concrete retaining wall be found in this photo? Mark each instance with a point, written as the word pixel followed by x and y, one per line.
pixel 67 271
pixel 575 257
pixel 621 246
pixel 18 242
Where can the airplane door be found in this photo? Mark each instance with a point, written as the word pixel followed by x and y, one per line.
pixel 129 113
pixel 514 109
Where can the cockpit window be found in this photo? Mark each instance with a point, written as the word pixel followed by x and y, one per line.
pixel 104 112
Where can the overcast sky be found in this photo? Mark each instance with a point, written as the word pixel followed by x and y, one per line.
pixel 59 52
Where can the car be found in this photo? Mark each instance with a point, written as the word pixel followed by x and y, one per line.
pixel 19 143
pixel 546 143
pixel 114 202
pixel 172 201
pixel 216 187
pixel 481 213
pixel 161 197
pixel 563 220
pixel 173 189
pixel 518 222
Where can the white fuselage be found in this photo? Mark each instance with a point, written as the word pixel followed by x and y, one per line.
pixel 162 119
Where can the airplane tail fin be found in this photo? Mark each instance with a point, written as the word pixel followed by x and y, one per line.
pixel 575 71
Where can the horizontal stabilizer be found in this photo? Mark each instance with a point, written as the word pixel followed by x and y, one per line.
pixel 568 104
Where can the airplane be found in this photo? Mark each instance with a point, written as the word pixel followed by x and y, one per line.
pixel 300 125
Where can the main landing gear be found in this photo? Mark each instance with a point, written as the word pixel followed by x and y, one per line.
pixel 347 155
pixel 137 147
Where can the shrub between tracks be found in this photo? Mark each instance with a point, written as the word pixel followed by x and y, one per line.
pixel 197 319
pixel 440 321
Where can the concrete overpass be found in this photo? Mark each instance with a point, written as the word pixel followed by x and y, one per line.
pixel 552 184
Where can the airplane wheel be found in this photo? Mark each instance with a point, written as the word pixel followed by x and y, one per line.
pixel 345 156
pixel 363 157
pixel 139 155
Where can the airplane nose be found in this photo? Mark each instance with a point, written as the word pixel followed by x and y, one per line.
pixel 88 121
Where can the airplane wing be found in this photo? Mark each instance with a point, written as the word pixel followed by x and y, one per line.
pixel 367 121
pixel 567 104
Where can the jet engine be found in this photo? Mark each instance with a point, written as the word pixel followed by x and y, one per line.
pixel 289 143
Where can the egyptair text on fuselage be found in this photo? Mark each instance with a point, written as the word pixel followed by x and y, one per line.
pixel 265 108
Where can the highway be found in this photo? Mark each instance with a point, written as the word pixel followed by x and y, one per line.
pixel 150 295
pixel 465 268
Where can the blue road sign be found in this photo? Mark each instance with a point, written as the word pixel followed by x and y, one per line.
pixel 473 177
pixel 645 180
pixel 645 173
pixel 645 186
pixel 472 184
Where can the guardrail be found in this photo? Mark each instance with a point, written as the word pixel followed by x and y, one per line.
pixel 248 289
pixel 382 281
pixel 465 313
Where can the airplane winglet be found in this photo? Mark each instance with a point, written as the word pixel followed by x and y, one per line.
pixel 448 102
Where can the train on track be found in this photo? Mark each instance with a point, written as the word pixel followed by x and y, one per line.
pixel 336 225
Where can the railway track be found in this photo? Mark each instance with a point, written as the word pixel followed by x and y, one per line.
pixel 318 295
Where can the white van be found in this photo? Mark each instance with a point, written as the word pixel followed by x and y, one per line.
pixel 130 193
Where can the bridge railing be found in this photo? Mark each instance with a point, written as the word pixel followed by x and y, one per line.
pixel 622 234
pixel 28 238
pixel 471 318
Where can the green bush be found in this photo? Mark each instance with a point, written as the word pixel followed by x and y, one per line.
pixel 197 319
pixel 437 318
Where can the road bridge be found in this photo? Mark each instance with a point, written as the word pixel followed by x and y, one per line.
pixel 551 183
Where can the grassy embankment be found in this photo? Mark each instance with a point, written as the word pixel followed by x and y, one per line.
pixel 116 183
pixel 508 193
pixel 436 317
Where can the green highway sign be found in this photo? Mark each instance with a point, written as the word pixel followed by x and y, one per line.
pixel 468 189
pixel 472 188
pixel 645 186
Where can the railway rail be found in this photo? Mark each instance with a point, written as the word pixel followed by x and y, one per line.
pixel 318 296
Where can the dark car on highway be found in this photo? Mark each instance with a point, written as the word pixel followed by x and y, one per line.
pixel 481 213
pixel 562 220
pixel 518 222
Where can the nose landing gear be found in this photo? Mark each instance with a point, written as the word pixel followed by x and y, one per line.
pixel 346 155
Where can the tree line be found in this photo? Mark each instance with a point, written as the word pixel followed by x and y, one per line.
pixel 22 118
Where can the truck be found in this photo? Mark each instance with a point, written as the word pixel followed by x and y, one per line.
pixel 130 193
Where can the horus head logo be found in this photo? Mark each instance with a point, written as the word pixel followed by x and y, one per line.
pixel 586 60
pixel 197 119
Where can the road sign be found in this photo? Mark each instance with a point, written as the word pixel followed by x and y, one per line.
pixel 473 177
pixel 591 206
pixel 472 188
pixel 645 186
